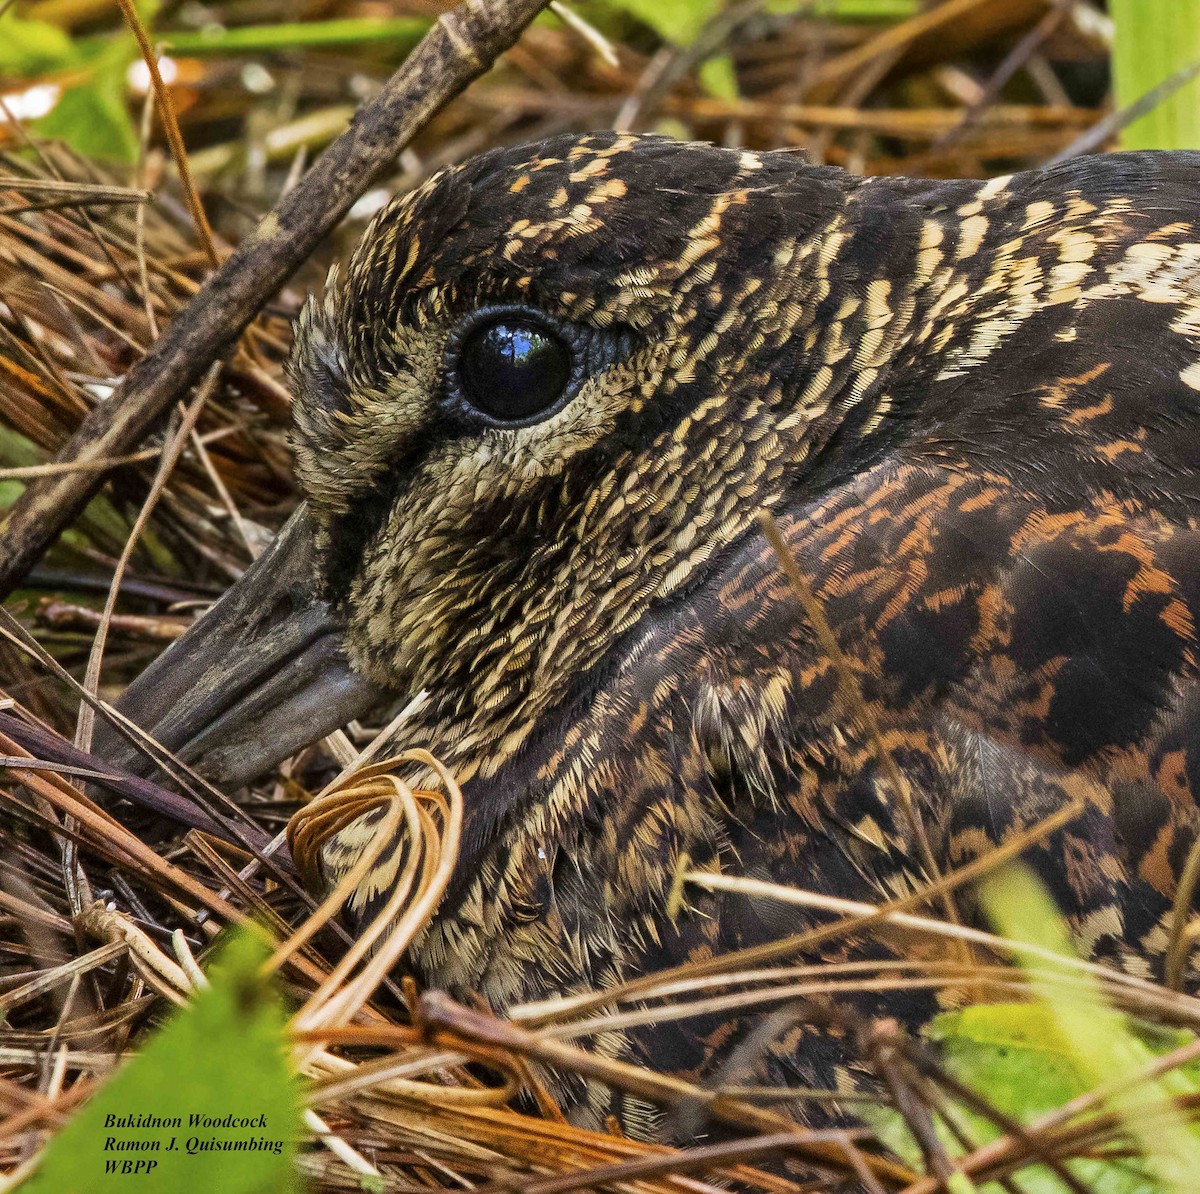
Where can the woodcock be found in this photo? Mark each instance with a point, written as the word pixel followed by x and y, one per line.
pixel 537 418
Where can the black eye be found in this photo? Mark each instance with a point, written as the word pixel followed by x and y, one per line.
pixel 513 368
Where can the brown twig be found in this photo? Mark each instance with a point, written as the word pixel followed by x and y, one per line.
pixel 142 792
pixel 941 26
pixel 701 1159
pixel 1013 61
pixel 166 112
pixel 853 700
pixel 1179 946
pixel 923 1061
pixel 809 939
pixel 459 47
pixel 86 721
pixel 916 1114
pixel 447 1024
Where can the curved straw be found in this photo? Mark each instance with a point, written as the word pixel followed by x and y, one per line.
pixel 429 858
pixel 318 825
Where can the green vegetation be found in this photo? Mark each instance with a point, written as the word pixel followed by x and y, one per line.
pixel 1155 41
pixel 223 1056
pixel 1030 1059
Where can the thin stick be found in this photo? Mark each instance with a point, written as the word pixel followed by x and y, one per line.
pixel 446 1024
pixel 1179 945
pixel 1114 122
pixel 853 699
pixel 166 112
pixel 170 457
pixel 702 1158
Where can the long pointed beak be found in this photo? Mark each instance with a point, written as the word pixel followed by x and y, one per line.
pixel 259 677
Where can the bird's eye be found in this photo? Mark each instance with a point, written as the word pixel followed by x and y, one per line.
pixel 512 367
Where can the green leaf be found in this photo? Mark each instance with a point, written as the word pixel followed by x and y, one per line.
pixel 866 12
pixel 30 48
pixel 1014 1055
pixel 679 21
pixel 675 21
pixel 403 32
pixel 223 1056
pixel 1098 1037
pixel 93 117
pixel 1030 1059
pixel 1155 40
pixel 717 77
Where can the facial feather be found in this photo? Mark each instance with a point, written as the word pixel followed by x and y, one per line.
pixel 503 560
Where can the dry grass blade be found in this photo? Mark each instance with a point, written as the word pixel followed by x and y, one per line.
pixel 170 457
pixel 852 699
pixel 430 849
pixel 484 1037
pixel 703 1158
pixel 732 963
pixel 920 924
pixel 108 835
pixel 959 21
pixel 166 110
pixel 1182 934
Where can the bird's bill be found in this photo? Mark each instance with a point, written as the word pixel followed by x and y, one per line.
pixel 260 676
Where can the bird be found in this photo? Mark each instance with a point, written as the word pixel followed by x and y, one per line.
pixel 539 418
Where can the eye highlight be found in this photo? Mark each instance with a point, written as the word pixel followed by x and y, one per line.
pixel 512 366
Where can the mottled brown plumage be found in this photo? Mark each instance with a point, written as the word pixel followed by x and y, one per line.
pixel 973 410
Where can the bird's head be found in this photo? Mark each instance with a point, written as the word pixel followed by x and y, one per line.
pixel 548 389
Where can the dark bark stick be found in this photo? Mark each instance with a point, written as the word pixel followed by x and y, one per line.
pixel 142 792
pixel 461 45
